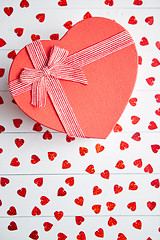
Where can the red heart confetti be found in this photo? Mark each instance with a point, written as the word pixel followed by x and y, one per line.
pixel 1 100
pixel 96 208
pixel 0 203
pixel 58 215
pixel 155 183
pixel 12 54
pixel 17 122
pixel 112 221
pixel 120 164
pixel 54 36
pixel 61 192
pixel 1 150
pixel 4 181
pixel 19 31
pixel 69 139
pixel 137 224
pixel 151 205
pixel 109 2
pixel 99 148
pixel 105 174
pixel 155 148
pixel 138 2
pixel 70 181
pixel 155 62
pixel 150 81
pixel 117 189
pixel 81 236
pixel 87 15
pixel 12 226
pixel 121 236
pixel 83 151
pixel 34 235
pixel 138 163
pixel 65 164
pixel 2 128
pixel 35 37
pixel 15 162
pixel 40 17
pixel 2 71
pixel 148 169
pixel 2 42
pixel 52 155
pixel 117 128
pixel 24 3
pixel 34 159
pixel 149 20
pixel 158 45
pixel 139 60
pixel 132 206
pixel 79 220
pixel 97 190
pixel 136 137
pixel 62 3
pixel 37 127
pixel 144 41
pixel 133 101
pixel 36 211
pixel 8 10
pixel 123 145
pixel 44 200
pixel 90 169
pixel 152 126
pixel 99 233
pixel 132 20
pixel 79 201
pixel 135 119
pixel 133 186
pixel 12 211
pixel 61 236
pixel 68 25
pixel 47 135
pixel 38 181
pixel 19 142
pixel 157 112
pixel 22 192
pixel 47 226
pixel 110 206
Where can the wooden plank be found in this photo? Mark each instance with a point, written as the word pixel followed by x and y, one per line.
pixel 83 186
pixel 35 4
pixel 34 144
pixel 68 226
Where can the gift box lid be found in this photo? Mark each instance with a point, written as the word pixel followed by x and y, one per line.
pixel 95 66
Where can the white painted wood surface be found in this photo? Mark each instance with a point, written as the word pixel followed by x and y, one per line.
pixel 51 171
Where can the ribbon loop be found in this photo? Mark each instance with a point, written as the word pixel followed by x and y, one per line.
pixel 57 56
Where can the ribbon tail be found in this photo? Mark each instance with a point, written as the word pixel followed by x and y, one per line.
pixel 63 108
pixel 39 93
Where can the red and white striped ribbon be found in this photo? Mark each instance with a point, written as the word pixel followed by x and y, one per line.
pixel 47 72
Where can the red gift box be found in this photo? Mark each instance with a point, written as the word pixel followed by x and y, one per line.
pixel 80 84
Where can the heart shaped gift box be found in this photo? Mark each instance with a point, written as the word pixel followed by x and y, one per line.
pixel 79 84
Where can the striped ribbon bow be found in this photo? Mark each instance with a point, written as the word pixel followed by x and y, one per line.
pixel 44 78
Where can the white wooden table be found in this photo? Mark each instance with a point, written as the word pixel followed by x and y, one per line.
pixel 146 197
